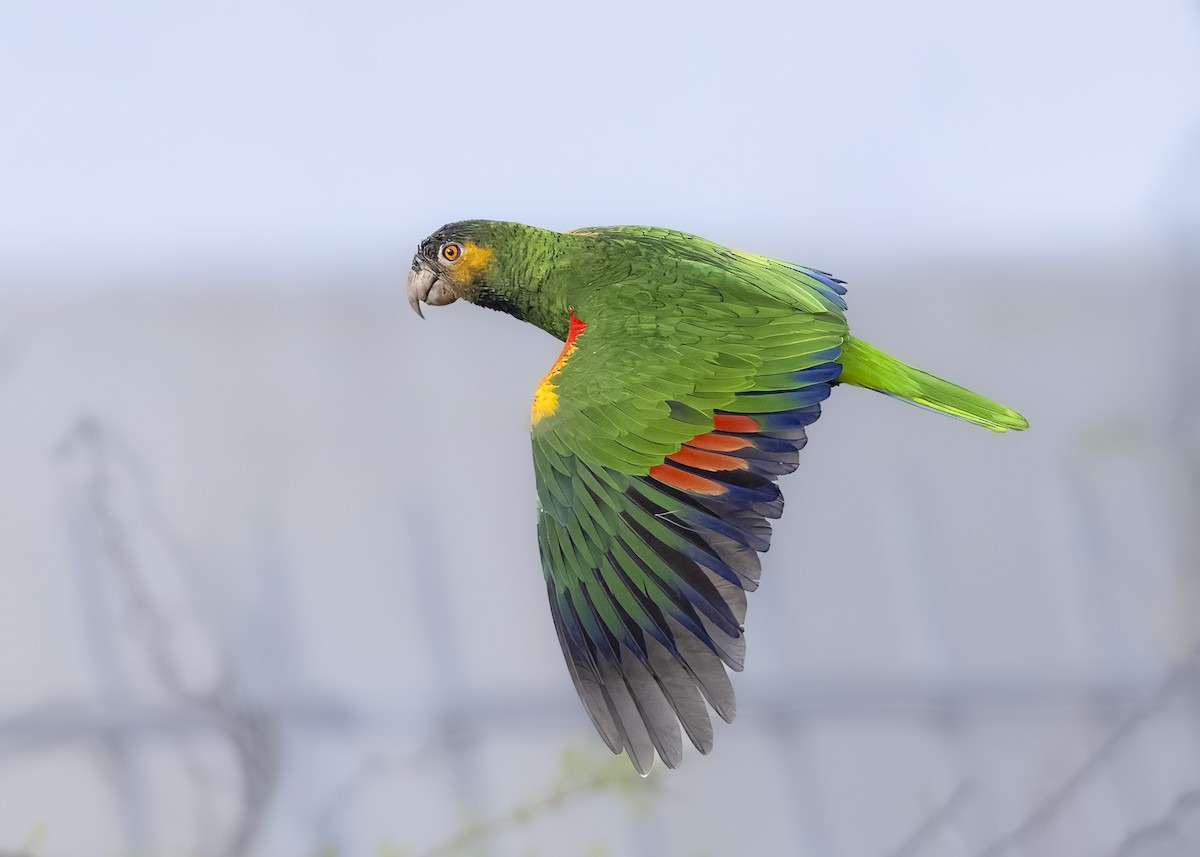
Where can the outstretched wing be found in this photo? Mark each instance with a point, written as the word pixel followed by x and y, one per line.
pixel 657 439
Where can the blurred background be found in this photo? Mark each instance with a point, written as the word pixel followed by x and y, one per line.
pixel 268 574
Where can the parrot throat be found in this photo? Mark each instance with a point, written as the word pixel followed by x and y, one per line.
pixel 545 398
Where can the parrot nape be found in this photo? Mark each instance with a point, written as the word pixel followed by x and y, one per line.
pixel 689 375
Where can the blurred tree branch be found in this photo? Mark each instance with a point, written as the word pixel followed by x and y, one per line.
pixel 1017 840
pixel 581 774
pixel 917 841
pixel 1165 829
pixel 122 530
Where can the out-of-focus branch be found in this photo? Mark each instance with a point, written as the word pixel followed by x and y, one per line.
pixel 581 775
pixel 118 536
pixel 371 770
pixel 942 816
pixel 1052 806
pixel 1165 829
pixel 1183 679
pixel 109 466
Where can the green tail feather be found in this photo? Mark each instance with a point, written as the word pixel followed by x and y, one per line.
pixel 865 365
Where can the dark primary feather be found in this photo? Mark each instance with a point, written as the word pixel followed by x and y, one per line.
pixel 659 595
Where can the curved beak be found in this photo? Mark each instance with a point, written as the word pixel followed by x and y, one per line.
pixel 424 286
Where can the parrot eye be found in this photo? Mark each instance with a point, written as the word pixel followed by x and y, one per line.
pixel 451 252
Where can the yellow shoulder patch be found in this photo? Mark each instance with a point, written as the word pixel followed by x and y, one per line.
pixel 545 399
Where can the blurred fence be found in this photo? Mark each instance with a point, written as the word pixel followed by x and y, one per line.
pixel 203 735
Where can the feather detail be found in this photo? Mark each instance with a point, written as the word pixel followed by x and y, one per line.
pixel 656 500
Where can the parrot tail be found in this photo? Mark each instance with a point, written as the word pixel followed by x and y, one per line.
pixel 864 365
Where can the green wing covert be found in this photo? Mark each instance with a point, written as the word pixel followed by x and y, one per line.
pixel 658 437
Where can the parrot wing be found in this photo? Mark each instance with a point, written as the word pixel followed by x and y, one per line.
pixel 658 437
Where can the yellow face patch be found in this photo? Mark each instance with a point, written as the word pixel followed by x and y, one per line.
pixel 473 262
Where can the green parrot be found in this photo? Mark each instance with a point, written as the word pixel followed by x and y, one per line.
pixel 689 375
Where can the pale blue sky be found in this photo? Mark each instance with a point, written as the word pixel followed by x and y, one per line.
pixel 149 131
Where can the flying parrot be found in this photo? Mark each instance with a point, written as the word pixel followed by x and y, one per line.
pixel 689 375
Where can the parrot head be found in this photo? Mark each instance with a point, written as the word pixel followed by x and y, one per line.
pixel 457 261
pixel 501 266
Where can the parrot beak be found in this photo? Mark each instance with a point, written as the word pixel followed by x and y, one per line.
pixel 425 286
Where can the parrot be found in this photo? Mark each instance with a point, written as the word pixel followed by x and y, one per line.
pixel 688 377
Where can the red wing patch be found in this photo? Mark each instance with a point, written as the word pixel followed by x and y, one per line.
pixel 702 460
pixel 685 481
pixel 739 423
pixel 719 442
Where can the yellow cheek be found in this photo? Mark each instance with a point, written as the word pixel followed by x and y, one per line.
pixel 473 262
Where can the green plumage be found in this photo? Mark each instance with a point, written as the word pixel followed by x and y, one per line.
pixel 864 365
pixel 690 374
